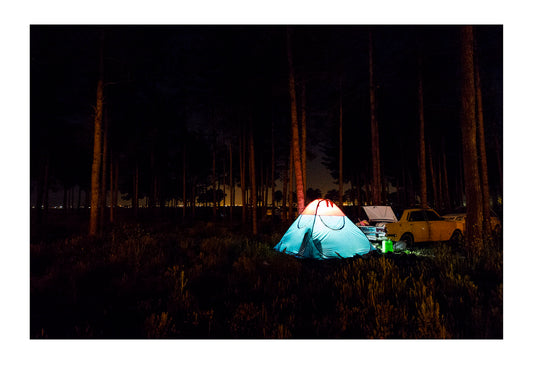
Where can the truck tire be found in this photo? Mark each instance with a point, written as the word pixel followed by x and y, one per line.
pixel 408 239
pixel 457 238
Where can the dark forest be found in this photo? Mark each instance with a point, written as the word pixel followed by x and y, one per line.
pixel 167 161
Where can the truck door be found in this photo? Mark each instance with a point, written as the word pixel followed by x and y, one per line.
pixel 437 227
pixel 418 226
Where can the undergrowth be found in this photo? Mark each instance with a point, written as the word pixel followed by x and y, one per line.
pixel 210 281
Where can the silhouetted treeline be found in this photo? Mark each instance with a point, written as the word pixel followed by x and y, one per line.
pixel 177 101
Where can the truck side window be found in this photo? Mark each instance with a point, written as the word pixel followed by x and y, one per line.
pixel 432 216
pixel 417 216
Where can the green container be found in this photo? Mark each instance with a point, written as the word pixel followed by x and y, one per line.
pixel 386 246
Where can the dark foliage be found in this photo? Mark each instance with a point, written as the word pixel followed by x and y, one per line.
pixel 209 280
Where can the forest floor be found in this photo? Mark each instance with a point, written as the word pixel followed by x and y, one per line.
pixel 212 280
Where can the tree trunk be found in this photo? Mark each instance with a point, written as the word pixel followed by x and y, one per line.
pixel 376 168
pixel 135 199
pixel 111 187
pixel 231 185
pixel 291 184
pixel 461 182
pixel 474 214
pixel 213 182
pixel 445 188
pixel 243 177
pixel 224 182
pixel 295 137
pixel 272 181
pixel 403 199
pixel 304 139
pixel 153 183
pixel 114 190
pixel 482 153
pixel 265 197
pixel 433 177
pixel 368 192
pixel 97 148
pixel 261 190
pixel 499 160
pixel 253 183
pixel 284 199
pixel 193 198
pixel 184 183
pixel 439 183
pixel 341 189
pixel 422 140
pixel 103 193
pixel 358 188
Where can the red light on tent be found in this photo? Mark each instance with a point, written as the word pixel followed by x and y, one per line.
pixel 322 207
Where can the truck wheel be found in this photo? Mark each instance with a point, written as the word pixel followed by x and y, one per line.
pixel 408 239
pixel 457 238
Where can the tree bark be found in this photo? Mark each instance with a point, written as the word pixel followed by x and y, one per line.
pixel 243 177
pixel 114 190
pixel 253 183
pixel 482 153
pixel 111 187
pixel 135 198
pixel 474 209
pixel 213 182
pixel 341 189
pixel 103 185
pixel 184 182
pixel 376 168
pixel 231 185
pixel 304 138
pixel 153 182
pixel 285 215
pixel 499 159
pixel 295 134
pixel 272 181
pixel 265 197
pixel 193 198
pixel 422 140
pixel 446 188
pixel 97 149
pixel 433 177
pixel 261 189
pixel 224 182
pixel 291 184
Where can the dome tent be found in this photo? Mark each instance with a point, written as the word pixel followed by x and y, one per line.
pixel 322 231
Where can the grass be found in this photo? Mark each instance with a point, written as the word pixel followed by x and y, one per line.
pixel 213 281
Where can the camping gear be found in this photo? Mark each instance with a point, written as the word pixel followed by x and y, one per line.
pixel 399 246
pixel 387 246
pixel 322 231
pixel 378 216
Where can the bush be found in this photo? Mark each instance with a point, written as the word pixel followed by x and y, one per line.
pixel 212 282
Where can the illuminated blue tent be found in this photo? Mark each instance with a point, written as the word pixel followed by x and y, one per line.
pixel 322 231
